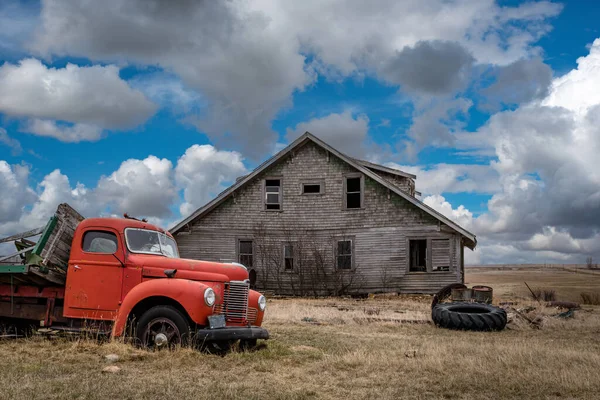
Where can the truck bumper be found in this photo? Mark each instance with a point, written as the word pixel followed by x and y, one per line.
pixel 231 333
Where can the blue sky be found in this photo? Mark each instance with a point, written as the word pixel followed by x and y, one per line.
pixel 460 93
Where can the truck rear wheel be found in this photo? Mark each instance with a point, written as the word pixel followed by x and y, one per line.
pixel 163 327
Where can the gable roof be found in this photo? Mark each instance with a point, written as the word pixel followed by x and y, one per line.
pixel 306 137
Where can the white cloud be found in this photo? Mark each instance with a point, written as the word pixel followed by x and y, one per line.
pixel 139 187
pixel 247 58
pixel 15 189
pixel 203 172
pixel 547 206
pixel 87 96
pixel 63 132
pixel 460 215
pixel 453 178
pixel 145 188
pixel 345 132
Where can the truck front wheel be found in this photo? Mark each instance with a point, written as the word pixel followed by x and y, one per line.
pixel 163 327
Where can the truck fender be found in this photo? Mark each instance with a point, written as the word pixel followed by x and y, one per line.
pixel 189 294
pixel 253 296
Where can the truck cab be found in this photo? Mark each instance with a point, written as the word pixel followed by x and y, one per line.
pixel 125 277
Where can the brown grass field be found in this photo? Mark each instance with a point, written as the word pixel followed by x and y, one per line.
pixel 342 349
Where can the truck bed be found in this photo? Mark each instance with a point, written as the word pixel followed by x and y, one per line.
pixel 42 263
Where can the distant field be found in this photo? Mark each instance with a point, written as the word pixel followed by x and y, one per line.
pixel 381 347
pixel 508 282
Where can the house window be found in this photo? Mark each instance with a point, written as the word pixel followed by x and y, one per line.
pixel 440 255
pixel 311 188
pixel 273 194
pixel 344 254
pixel 99 242
pixel 288 257
pixel 353 192
pixel 418 255
pixel 245 253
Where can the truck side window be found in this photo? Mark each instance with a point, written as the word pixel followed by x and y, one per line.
pixel 99 242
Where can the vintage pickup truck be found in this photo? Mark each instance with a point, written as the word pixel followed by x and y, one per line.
pixel 124 277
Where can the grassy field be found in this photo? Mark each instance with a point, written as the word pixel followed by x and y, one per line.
pixel 381 347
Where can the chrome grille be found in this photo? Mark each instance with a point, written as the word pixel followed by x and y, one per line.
pixel 235 301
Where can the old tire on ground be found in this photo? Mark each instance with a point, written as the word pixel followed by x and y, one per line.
pixel 469 316
pixel 166 321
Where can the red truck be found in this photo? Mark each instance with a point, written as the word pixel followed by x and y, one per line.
pixel 124 277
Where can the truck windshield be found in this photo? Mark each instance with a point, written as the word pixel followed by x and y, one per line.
pixel 150 242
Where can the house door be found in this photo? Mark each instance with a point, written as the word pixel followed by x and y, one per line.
pixel 94 280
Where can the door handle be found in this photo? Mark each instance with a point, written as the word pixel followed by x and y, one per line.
pixel 76 267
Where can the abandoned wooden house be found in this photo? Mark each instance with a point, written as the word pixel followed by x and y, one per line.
pixel 313 221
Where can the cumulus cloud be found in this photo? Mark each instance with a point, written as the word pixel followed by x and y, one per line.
pixel 547 205
pixel 63 132
pixel 343 131
pixel 520 82
pixel 434 67
pixel 247 58
pixel 203 172
pixel 150 188
pixel 460 215
pixel 89 97
pixel 435 123
pixel 452 178
pixel 140 187
pixel 13 181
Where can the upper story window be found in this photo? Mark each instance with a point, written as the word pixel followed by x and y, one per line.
pixel 312 188
pixel 273 194
pixel 353 192
pixel 100 242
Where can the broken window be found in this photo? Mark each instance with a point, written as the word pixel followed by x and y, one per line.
pixel 440 255
pixel 344 254
pixel 311 188
pixel 288 257
pixel 418 255
pixel 245 253
pixel 100 242
pixel 273 194
pixel 353 192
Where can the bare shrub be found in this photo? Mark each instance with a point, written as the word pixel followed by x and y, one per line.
pixel 590 298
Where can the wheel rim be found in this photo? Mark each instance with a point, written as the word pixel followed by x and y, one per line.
pixel 161 332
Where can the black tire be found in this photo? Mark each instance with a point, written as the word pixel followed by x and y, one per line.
pixel 163 319
pixel 469 316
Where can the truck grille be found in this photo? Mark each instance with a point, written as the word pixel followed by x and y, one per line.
pixel 235 302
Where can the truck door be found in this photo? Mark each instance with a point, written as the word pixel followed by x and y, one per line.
pixel 95 275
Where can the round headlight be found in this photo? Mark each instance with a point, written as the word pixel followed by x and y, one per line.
pixel 209 297
pixel 262 303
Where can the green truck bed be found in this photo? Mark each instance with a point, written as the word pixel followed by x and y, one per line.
pixel 44 262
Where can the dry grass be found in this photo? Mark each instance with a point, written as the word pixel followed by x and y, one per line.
pixel 330 348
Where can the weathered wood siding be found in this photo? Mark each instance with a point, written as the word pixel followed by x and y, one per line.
pixel 379 231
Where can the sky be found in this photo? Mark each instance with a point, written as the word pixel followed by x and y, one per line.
pixel 154 107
